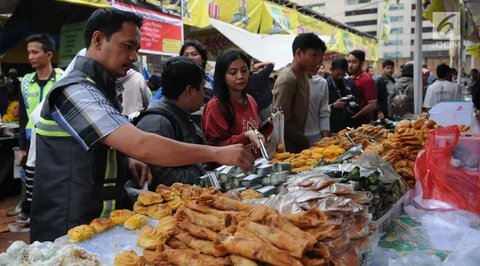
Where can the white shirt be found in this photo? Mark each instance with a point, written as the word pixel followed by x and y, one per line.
pixel 442 91
pixel 318 117
pixel 136 94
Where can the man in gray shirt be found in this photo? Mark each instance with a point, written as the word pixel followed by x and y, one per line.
pixel 183 90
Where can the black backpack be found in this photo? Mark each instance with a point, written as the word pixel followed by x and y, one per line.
pixel 161 111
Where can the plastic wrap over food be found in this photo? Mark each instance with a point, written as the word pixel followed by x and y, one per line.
pixel 292 202
pixel 339 204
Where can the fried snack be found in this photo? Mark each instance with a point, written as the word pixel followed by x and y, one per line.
pixel 149 198
pixel 135 221
pixel 321 250
pixel 189 257
pixel 321 232
pixel 339 245
pixel 307 261
pixel 197 231
pixel 283 224
pixel 101 224
pixel 191 204
pixel 175 204
pixel 348 258
pixel 168 193
pixel 80 233
pixel 150 238
pixel 203 246
pixel 211 222
pixel 159 211
pixel 282 156
pixel 166 225
pixel 419 123
pixel 296 247
pixel 176 243
pixel 308 219
pixel 120 216
pixel 150 256
pixel 259 213
pixel 128 258
pixel 224 203
pixel 242 261
pixel 140 208
pixel 250 194
pixel 256 250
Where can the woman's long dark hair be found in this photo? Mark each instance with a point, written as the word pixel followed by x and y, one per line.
pixel 220 87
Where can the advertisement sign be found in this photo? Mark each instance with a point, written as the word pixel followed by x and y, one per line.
pixel 161 34
pixel 71 41
pixel 168 7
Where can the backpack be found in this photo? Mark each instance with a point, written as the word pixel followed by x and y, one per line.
pixel 400 103
pixel 160 111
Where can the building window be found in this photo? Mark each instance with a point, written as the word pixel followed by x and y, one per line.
pixel 362 23
pixel 396 7
pixel 356 2
pixel 361 12
pixel 393 43
pixel 424 29
pixel 396 18
pixel 392 54
pixel 396 31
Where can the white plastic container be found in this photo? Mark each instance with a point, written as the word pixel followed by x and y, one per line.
pixel 452 113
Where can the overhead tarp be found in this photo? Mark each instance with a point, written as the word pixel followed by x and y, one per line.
pixel 91 3
pixel 264 17
pixel 161 34
pixel 263 47
pixel 245 14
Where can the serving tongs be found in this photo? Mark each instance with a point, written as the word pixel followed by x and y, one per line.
pixel 361 134
pixel 261 146
pixel 353 151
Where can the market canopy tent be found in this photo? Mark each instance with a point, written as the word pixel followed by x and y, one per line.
pixel 263 47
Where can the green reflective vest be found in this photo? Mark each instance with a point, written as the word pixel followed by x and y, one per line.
pixel 33 94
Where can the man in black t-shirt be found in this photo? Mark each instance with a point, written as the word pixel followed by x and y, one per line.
pixel 338 88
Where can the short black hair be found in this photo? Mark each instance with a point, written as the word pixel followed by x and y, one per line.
pixel 388 62
pixel 108 21
pixel 453 70
pixel 305 41
pixel 407 70
pixel 443 70
pixel 474 70
pixel 424 66
pixel 359 54
pixel 178 73
pixel 340 63
pixel 48 44
pixel 200 48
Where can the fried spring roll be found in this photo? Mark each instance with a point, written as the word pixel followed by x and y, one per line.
pixel 188 257
pixel 242 261
pixel 224 203
pixel 203 246
pixel 314 261
pixel 197 231
pixel 256 250
pixel 294 246
pixel 211 222
pixel 308 219
pixel 283 224
pixel 259 212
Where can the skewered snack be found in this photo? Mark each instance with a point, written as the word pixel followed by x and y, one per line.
pixel 120 216
pixel 135 221
pixel 101 224
pixel 128 258
pixel 80 233
pixel 149 198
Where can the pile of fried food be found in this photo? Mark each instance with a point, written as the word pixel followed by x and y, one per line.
pixel 308 158
pixel 212 229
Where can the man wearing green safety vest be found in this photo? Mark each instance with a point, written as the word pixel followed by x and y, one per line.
pixel 83 139
pixel 34 87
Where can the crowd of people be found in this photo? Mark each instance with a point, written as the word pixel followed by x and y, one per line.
pixel 93 126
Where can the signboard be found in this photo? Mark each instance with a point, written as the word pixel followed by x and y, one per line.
pixel 92 3
pixel 168 7
pixel 71 41
pixel 161 34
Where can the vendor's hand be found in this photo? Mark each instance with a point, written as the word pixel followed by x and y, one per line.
pixel 254 138
pixel 140 171
pixel 22 157
pixel 339 104
pixel 236 155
